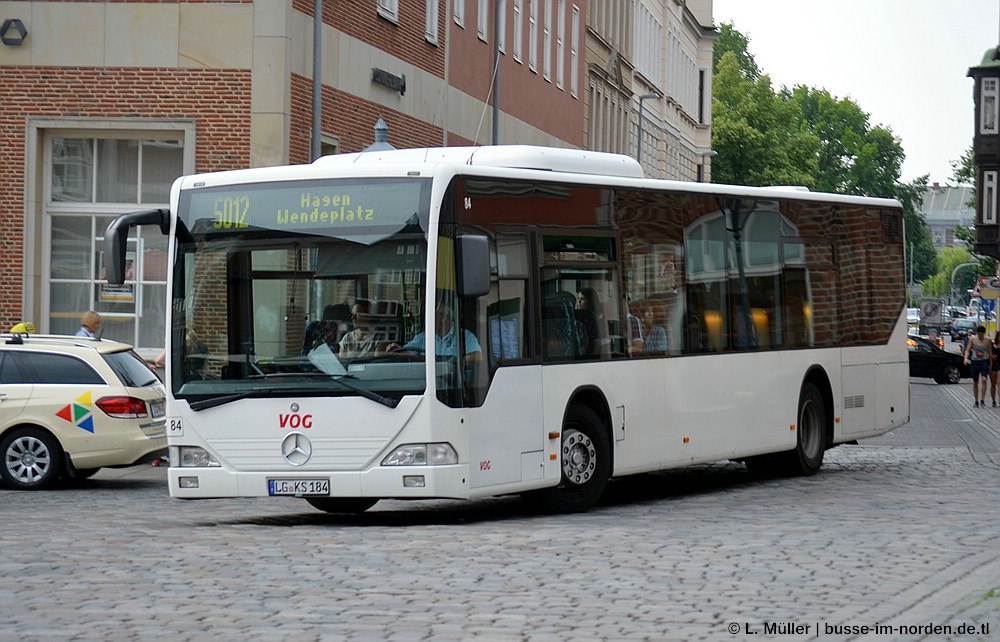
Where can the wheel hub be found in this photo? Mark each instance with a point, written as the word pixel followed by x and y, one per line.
pixel 578 457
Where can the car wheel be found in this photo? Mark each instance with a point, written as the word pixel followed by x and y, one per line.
pixel 950 374
pixel 342 504
pixel 586 464
pixel 32 459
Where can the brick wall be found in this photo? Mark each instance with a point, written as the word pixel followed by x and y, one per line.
pixel 352 120
pixel 217 100
pixel 403 39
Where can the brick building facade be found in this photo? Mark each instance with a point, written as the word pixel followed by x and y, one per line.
pixel 105 103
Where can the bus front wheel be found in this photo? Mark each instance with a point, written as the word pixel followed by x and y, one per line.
pixel 585 457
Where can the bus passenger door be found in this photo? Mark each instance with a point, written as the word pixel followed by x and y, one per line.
pixel 506 437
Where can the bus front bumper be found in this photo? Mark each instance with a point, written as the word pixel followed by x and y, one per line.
pixel 383 482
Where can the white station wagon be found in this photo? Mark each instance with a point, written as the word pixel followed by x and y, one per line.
pixel 71 405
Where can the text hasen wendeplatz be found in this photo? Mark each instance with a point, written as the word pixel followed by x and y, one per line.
pixel 325 209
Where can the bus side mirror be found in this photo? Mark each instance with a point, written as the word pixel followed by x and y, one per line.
pixel 116 239
pixel 472 265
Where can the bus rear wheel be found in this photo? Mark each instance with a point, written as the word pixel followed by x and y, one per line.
pixel 342 504
pixel 585 457
pixel 810 441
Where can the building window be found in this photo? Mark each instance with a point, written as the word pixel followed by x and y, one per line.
pixel 574 60
pixel 990 198
pixel 547 42
pixel 459 10
pixel 518 31
pixel 989 106
pixel 560 43
pixel 502 25
pixel 483 20
pixel 533 35
pixel 90 180
pixel 389 9
pixel 431 22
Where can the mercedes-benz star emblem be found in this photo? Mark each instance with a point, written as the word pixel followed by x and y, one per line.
pixel 296 449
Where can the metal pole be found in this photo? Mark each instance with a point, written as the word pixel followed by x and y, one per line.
pixel 315 148
pixel 951 291
pixel 638 144
pixel 496 71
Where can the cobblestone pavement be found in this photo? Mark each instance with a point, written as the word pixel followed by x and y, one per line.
pixel 902 532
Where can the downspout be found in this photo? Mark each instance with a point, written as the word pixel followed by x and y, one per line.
pixel 315 148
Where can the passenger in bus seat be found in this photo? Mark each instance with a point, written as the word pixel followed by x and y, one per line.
pixel 653 333
pixel 330 329
pixel 363 340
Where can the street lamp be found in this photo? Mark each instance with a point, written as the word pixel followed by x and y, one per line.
pixel 951 289
pixel 642 98
pixel 704 153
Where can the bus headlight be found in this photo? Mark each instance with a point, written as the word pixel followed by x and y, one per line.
pixel 436 454
pixel 191 457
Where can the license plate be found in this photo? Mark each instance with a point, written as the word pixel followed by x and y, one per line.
pixel 298 487
pixel 156 408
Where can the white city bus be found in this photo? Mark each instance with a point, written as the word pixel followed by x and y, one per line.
pixel 584 322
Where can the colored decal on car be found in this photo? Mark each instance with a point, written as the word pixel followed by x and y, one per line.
pixel 79 413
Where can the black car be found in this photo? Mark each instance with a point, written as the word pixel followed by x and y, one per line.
pixel 930 361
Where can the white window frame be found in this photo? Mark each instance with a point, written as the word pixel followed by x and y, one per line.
pixel 431 22
pixel 517 42
pixel 560 43
pixel 388 9
pixel 989 105
pixel 533 35
pixel 483 20
pixel 40 133
pixel 990 197
pixel 574 60
pixel 458 9
pixel 502 27
pixel 547 41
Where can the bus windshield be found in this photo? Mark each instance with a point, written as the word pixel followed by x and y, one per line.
pixel 304 288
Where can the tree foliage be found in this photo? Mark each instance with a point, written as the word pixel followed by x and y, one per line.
pixel 806 136
pixel 963 170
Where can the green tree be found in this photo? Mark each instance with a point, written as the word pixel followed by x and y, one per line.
pixel 731 40
pixel 751 132
pixel 854 157
pixel 806 136
pixel 963 170
pixel 918 235
pixel 950 258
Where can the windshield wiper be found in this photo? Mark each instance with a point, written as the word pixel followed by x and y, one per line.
pixel 205 404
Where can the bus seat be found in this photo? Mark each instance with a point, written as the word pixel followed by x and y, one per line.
pixel 559 325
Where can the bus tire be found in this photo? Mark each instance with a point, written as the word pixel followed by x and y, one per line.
pixel 810 434
pixel 342 504
pixel 585 458
pixel 810 441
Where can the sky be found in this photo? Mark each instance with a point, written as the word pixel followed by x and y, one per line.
pixel 902 61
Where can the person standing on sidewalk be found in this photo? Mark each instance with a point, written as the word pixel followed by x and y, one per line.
pixel 979 357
